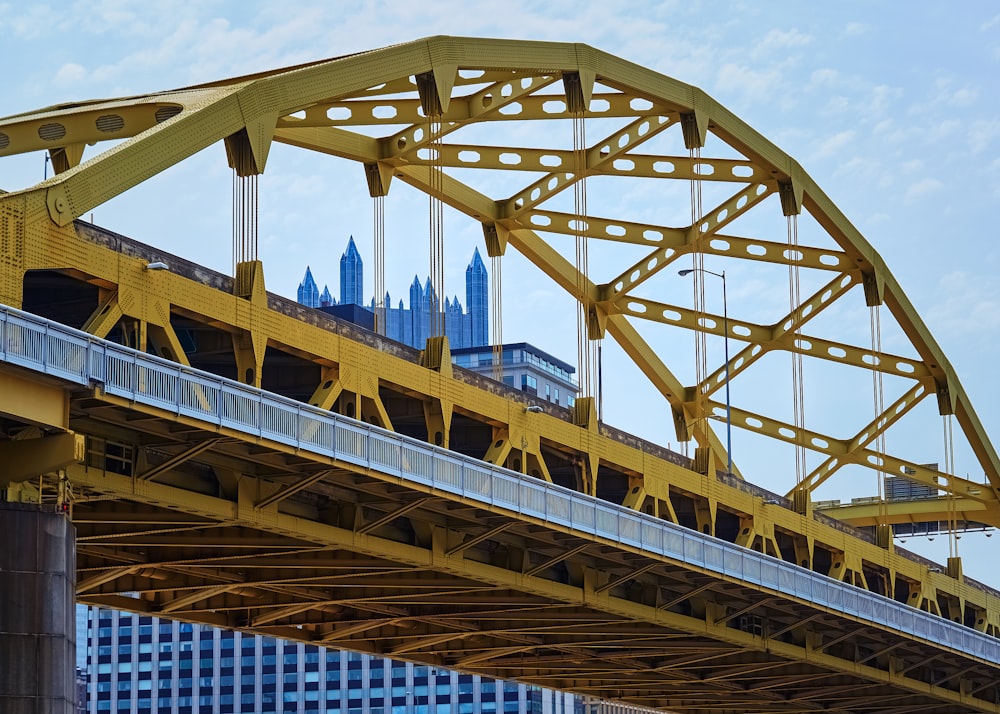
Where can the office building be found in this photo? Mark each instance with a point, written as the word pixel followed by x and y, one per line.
pixel 145 665
pixel 524 367
pixel 410 324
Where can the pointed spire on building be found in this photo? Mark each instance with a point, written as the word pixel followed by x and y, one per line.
pixel 477 300
pixel 465 329
pixel 476 264
pixel 430 297
pixel 308 292
pixel 351 251
pixel 351 276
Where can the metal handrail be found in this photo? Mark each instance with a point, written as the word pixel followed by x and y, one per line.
pixel 45 346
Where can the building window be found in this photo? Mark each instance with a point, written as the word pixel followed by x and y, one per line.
pixel 529 384
pixel 557 395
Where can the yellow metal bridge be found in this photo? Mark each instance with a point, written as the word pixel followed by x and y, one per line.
pixel 236 459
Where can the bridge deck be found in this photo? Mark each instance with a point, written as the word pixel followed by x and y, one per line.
pixel 356 537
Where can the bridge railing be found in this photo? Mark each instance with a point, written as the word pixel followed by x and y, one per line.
pixel 48 347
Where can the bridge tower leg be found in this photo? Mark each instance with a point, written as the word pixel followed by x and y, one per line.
pixel 37 613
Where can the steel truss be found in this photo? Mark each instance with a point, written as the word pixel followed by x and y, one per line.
pixel 147 537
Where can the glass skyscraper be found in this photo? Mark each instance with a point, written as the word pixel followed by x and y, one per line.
pixel 308 292
pixel 352 276
pixel 411 325
pixel 477 295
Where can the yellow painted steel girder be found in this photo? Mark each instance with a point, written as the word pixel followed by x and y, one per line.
pixel 362 585
pixel 325 105
pixel 939 510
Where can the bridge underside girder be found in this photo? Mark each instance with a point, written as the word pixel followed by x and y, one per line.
pixel 134 454
pixel 361 561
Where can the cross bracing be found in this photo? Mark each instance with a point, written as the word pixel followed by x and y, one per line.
pixel 371 108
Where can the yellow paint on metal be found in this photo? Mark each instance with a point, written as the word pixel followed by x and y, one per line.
pixel 35 402
pixel 27 459
pixel 476 81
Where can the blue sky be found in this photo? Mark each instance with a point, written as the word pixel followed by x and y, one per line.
pixel 892 108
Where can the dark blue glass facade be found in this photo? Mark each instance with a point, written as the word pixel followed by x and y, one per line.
pixel 412 325
pixel 477 297
pixel 352 278
pixel 308 293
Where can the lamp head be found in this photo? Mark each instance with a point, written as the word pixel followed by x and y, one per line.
pixel 688 271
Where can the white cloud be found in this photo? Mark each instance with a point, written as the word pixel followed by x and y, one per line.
pixel 27 21
pixel 882 96
pixel 991 23
pixel 960 97
pixel 965 303
pixel 982 134
pixel 838 105
pixel 781 40
pixel 866 171
pixel 883 126
pixel 834 144
pixel 856 28
pixel 944 129
pixel 825 77
pixel 754 85
pixel 69 74
pixel 922 188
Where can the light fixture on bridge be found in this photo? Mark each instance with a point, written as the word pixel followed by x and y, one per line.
pixel 157 265
pixel 534 409
pixel 725 328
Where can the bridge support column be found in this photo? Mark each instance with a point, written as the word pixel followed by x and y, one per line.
pixel 37 614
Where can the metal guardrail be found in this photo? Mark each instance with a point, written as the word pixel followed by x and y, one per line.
pixel 48 347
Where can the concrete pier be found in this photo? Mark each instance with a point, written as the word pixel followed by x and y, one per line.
pixel 37 597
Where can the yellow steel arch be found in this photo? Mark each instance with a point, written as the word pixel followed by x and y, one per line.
pixel 353 107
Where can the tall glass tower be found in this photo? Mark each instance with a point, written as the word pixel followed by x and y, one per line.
pixel 308 294
pixel 411 325
pixel 477 295
pixel 351 276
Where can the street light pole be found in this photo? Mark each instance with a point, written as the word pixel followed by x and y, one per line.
pixel 725 328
